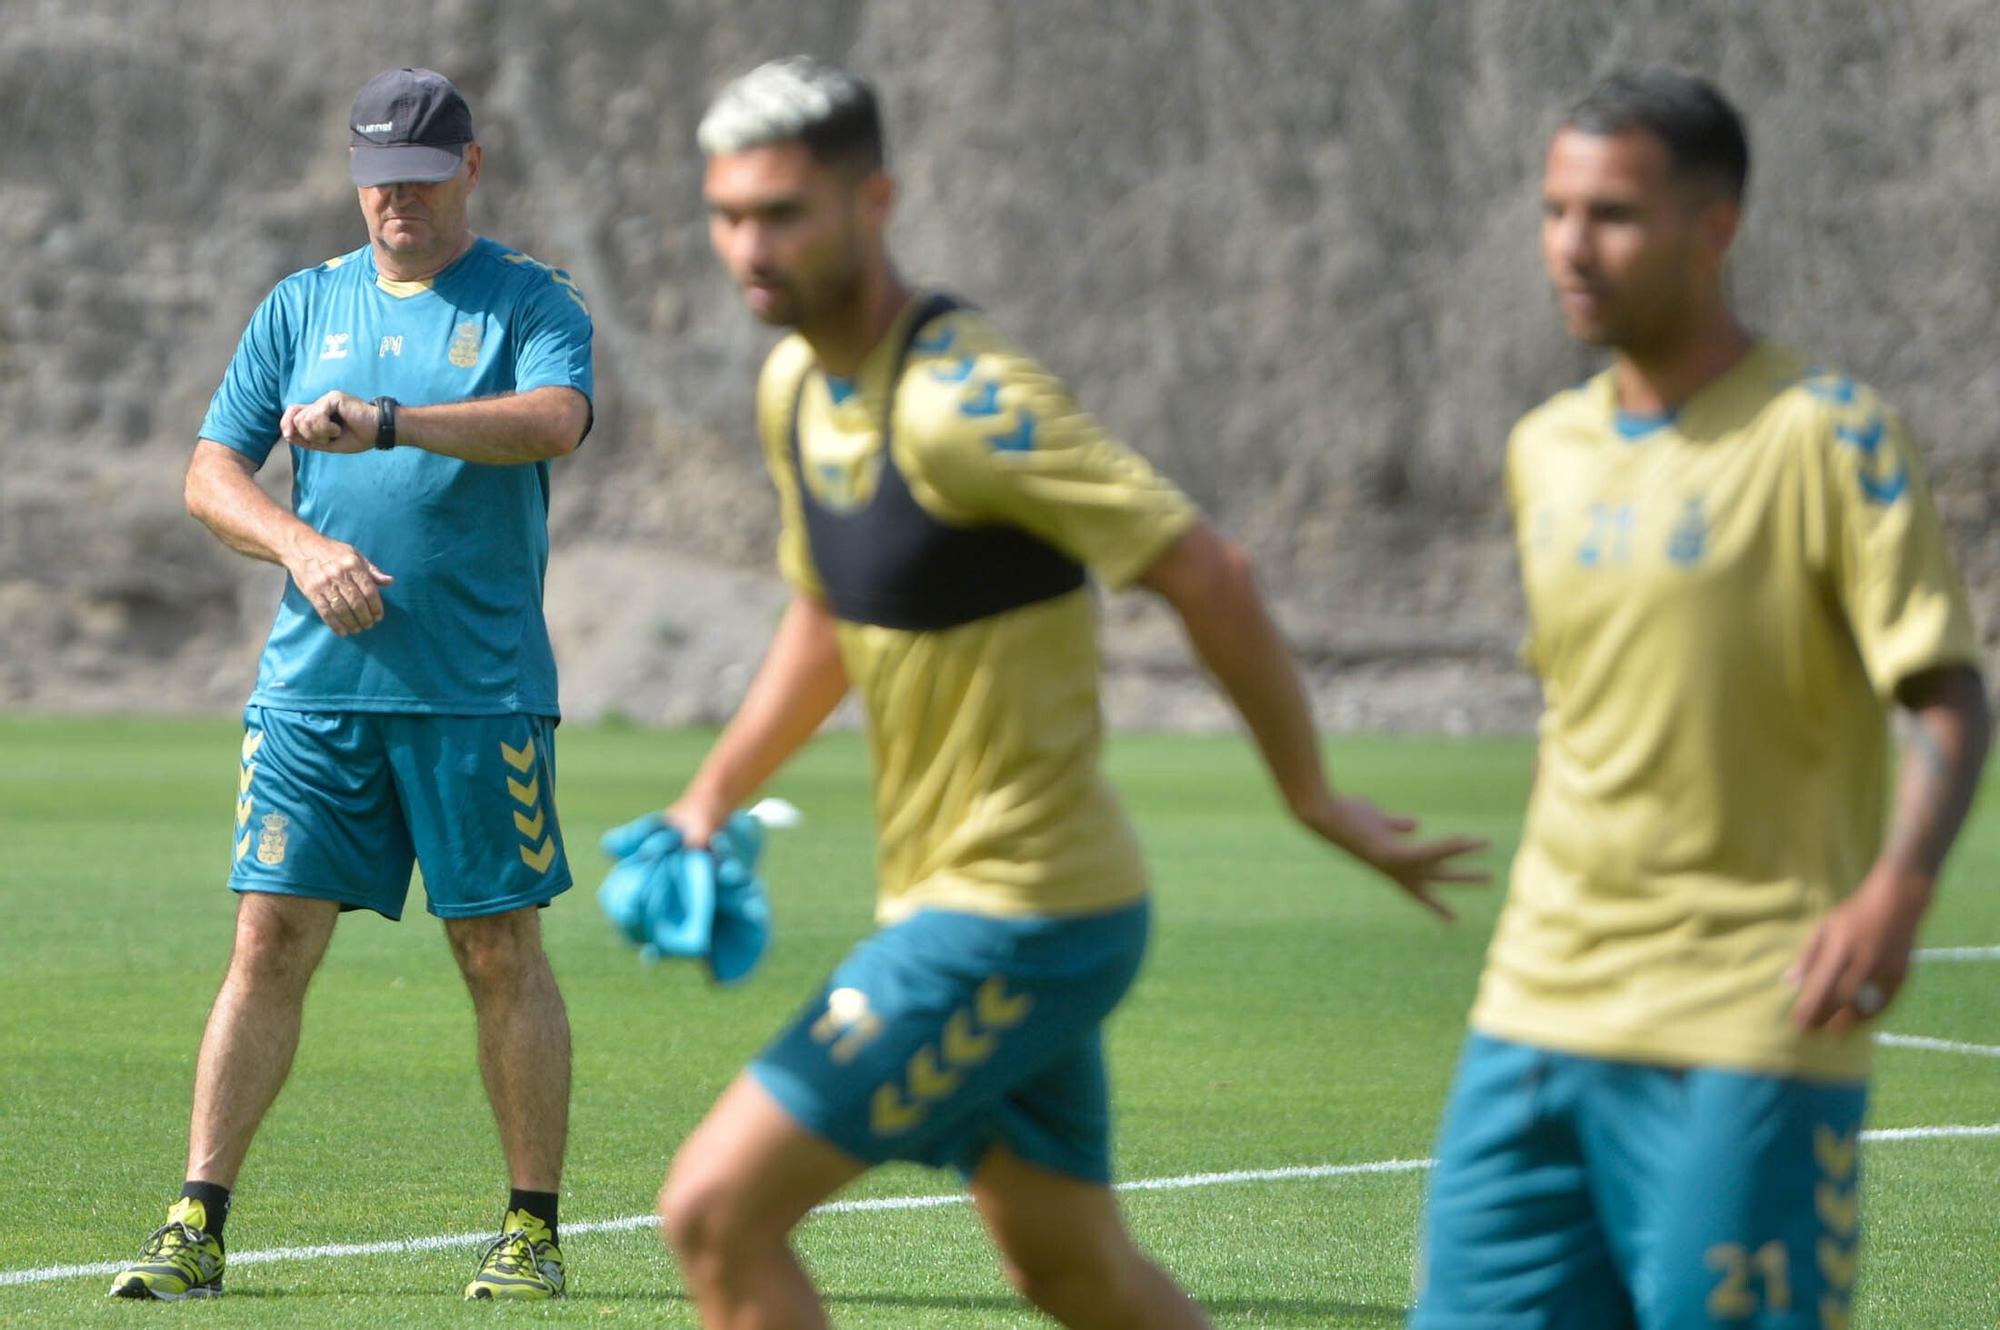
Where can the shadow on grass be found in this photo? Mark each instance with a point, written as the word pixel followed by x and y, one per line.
pixel 1310 1311
pixel 1274 1310
pixel 1270 1311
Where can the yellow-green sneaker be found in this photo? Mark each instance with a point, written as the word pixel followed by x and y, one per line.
pixel 523 1262
pixel 180 1260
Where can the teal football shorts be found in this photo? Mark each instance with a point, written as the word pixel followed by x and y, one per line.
pixel 1578 1193
pixel 338 805
pixel 948 1033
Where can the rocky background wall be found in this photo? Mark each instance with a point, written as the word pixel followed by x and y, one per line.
pixel 1284 246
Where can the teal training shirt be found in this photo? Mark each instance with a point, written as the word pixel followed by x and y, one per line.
pixel 467 542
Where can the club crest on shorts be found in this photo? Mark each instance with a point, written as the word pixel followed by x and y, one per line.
pixel 271 844
pixel 466 339
pixel 847 1025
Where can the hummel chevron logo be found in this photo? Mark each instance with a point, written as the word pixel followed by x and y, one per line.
pixel 935 1071
pixel 1836 1153
pixel 889 1115
pixel 1020 439
pixel 985 401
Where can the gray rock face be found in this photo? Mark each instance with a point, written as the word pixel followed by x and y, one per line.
pixel 1284 246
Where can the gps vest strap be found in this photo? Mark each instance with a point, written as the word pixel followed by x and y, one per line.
pixel 892 564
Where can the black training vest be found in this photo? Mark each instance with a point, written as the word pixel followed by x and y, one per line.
pixel 892 564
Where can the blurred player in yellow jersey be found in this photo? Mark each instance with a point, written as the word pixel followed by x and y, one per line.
pixel 1733 573
pixel 943 499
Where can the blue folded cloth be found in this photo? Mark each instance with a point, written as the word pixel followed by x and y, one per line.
pixel 672 900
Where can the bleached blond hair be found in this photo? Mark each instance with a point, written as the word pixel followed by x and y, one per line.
pixel 828 109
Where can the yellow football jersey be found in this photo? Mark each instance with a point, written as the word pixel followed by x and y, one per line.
pixel 984 736
pixel 1721 605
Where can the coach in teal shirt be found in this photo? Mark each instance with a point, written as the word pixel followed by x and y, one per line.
pixel 466 540
pixel 405 705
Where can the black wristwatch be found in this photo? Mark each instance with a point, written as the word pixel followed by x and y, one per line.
pixel 385 422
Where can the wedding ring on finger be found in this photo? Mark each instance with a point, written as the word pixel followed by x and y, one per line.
pixel 1867 1000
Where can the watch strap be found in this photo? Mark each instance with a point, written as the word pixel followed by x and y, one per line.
pixel 385 422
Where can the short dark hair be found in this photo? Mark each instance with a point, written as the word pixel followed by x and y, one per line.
pixel 1703 133
pixel 833 112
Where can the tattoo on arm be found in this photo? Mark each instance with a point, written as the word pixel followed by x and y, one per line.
pixel 1939 775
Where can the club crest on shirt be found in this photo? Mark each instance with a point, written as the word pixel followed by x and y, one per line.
pixel 465 343
pixel 271 844
pixel 844 484
pixel 1689 538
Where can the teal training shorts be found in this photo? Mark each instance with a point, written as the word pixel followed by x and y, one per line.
pixel 948 1033
pixel 338 805
pixel 1577 1193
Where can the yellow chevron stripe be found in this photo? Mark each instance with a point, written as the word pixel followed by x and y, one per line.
pixel 962 1047
pixel 530 828
pixel 1836 1152
pixel 888 1115
pixel 997 1010
pixel 539 859
pixel 243 811
pixel 926 1081
pixel 243 785
pixel 525 794
pixel 1839 1210
pixel 251 743
pixel 519 758
pixel 1840 1264
pixel 243 845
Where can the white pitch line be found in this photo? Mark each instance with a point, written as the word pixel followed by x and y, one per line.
pixel 1957 954
pixel 1937 1045
pixel 1929 1133
pixel 1299 1173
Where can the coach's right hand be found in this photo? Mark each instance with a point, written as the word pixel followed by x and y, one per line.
pixel 344 587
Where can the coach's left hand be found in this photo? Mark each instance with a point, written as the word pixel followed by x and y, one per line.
pixel 337 423
pixel 1858 957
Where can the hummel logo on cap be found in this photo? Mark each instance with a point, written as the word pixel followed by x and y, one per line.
pixel 408 124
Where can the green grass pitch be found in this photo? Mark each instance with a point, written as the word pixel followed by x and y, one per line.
pixel 1292 1013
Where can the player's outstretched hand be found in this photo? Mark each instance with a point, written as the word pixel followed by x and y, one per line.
pixel 1856 960
pixel 1388 843
pixel 336 423
pixel 344 587
pixel 698 818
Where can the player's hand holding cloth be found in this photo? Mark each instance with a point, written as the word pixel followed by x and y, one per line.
pixel 673 899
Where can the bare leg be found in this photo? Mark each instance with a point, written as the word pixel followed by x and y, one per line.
pixel 253 1028
pixel 523 1040
pixel 1067 1251
pixel 737 1188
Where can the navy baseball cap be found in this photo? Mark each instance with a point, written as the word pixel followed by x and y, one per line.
pixel 408 124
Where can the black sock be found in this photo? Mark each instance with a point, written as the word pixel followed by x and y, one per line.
pixel 214 1200
pixel 540 1204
